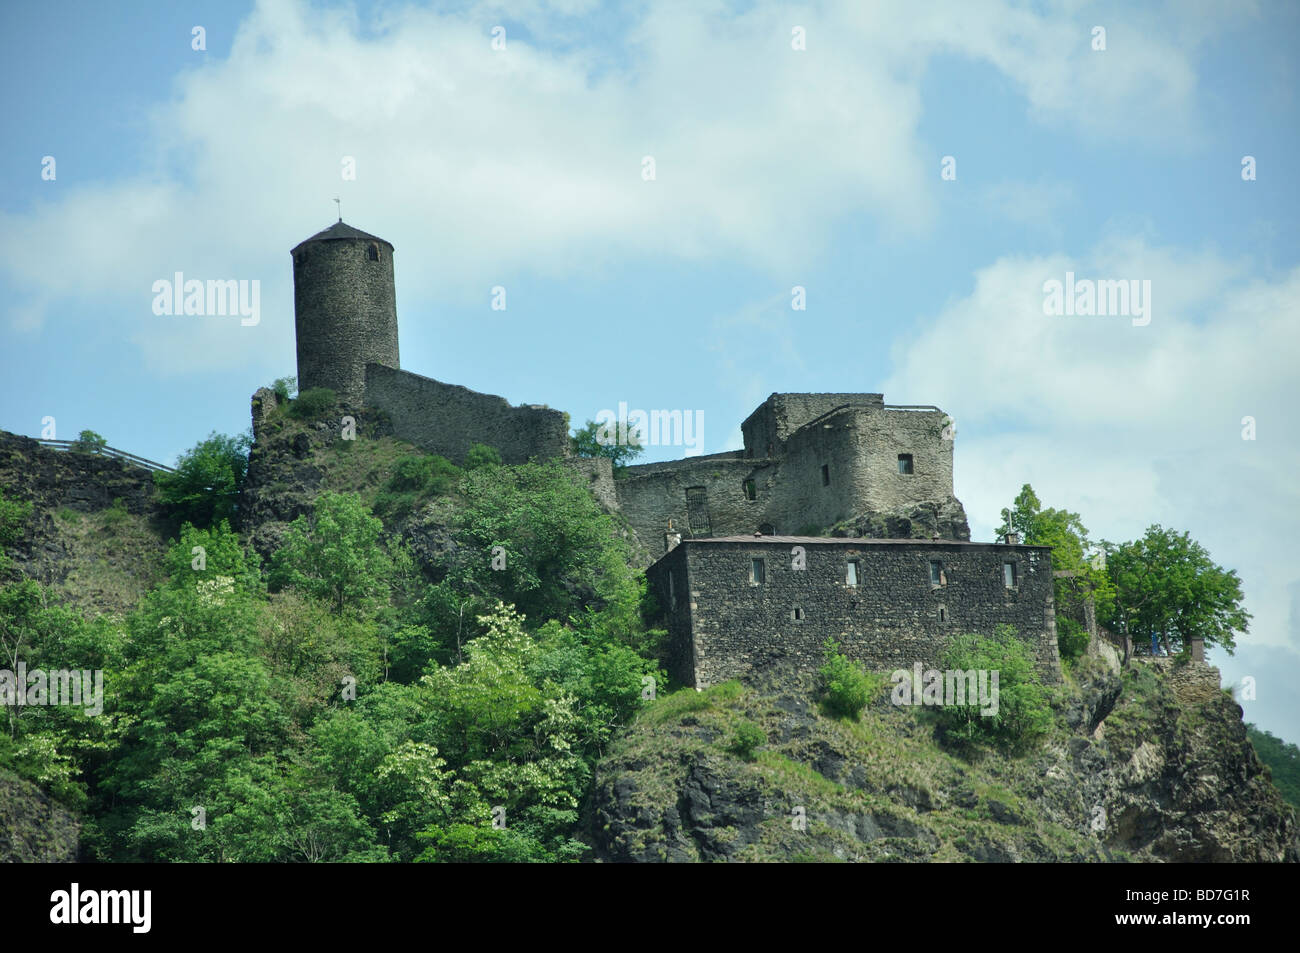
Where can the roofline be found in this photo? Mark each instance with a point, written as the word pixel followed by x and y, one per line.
pixel 848 541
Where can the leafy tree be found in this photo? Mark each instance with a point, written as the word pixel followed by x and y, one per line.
pixel 532 536
pixel 1166 585
pixel 600 440
pixel 335 555
pixel 1072 551
pixel 1283 760
pixel 204 490
pixel 89 442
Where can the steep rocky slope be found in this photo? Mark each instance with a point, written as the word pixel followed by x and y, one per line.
pixel 1150 765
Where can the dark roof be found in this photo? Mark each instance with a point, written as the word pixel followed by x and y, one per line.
pixel 342 230
pixel 847 541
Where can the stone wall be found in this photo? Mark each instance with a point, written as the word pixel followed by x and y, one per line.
pixel 447 419
pixel 767 428
pixel 891 619
pixel 883 435
pixel 345 314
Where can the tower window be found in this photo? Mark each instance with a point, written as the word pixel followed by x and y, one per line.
pixel 1009 575
pixel 943 614
pixel 751 491
pixel 373 252
pixel 937 577
pixel 905 463
pixel 797 614
pixel 826 475
pixel 757 572
pixel 851 573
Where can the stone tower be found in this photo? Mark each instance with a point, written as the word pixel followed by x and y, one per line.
pixel 345 313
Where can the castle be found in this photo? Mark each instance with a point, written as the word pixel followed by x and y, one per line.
pixel 859 485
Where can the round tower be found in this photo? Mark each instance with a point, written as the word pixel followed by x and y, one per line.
pixel 345 312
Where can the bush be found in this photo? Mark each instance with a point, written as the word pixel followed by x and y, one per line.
pixel 846 686
pixel 89 442
pixel 1071 638
pixel 284 388
pixel 745 739
pixel 481 455
pixel 114 514
pixel 1023 712
pixel 313 403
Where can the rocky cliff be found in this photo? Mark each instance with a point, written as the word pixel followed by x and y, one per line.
pixel 1149 765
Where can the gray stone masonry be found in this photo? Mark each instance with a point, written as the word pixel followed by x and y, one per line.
pixel 722 625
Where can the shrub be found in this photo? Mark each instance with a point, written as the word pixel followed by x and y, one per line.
pixel 89 442
pixel 746 737
pixel 313 403
pixel 114 514
pixel 1071 638
pixel 846 686
pixel 284 388
pixel 1023 712
pixel 413 478
pixel 481 455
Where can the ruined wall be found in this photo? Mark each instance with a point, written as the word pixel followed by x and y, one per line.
pixel 650 496
pixel 782 414
pixel 890 620
pixel 447 419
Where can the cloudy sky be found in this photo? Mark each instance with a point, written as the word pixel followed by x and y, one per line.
pixel 920 169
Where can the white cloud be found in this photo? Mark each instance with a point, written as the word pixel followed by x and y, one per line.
pixel 479 164
pixel 1130 425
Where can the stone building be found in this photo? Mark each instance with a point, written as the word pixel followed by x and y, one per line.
pixel 738 603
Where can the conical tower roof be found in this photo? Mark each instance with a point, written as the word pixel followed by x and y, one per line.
pixel 342 230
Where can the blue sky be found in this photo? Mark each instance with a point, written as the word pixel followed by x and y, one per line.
pixel 774 167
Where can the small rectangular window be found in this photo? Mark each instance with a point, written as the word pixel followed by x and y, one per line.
pixel 936 573
pixel 672 593
pixel 757 572
pixel 905 463
pixel 851 573
pixel 1009 575
pixel 751 491
pixel 826 475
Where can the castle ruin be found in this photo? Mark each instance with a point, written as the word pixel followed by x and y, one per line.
pixel 852 480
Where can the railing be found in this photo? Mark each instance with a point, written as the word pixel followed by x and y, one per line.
pixel 929 407
pixel 131 458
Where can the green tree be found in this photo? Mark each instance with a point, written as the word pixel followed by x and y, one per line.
pixel 1072 552
pixel 204 490
pixel 1167 586
pixel 533 537
pixel 89 442
pixel 1283 760
pixel 601 440
pixel 335 554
